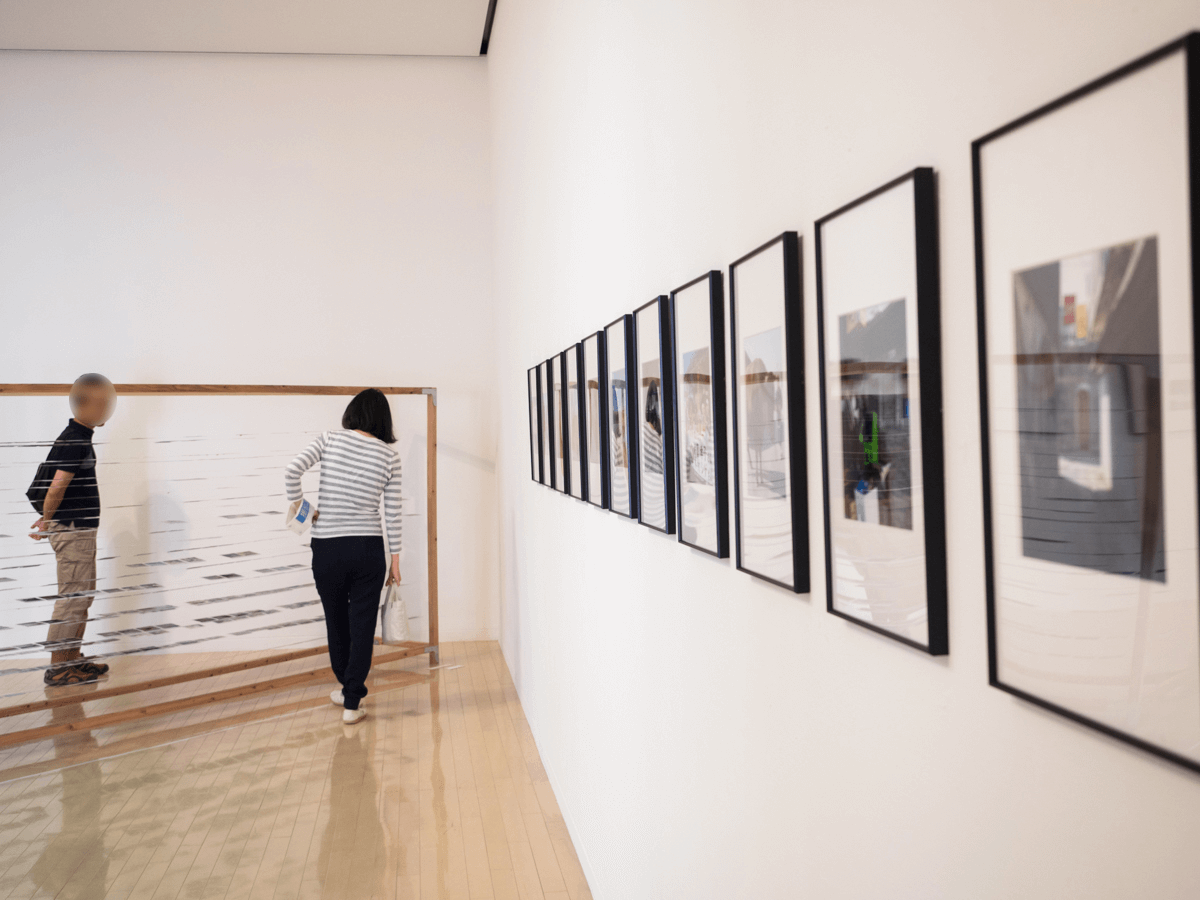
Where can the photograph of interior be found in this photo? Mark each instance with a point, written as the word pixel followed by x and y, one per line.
pixel 631 450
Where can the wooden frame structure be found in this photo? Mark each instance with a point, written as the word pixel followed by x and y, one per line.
pixel 400 651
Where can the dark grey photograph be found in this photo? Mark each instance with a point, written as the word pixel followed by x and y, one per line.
pixel 876 440
pixel 1089 374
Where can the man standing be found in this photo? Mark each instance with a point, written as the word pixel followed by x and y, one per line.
pixel 70 517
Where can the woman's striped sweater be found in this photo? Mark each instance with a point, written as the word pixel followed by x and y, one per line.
pixel 357 471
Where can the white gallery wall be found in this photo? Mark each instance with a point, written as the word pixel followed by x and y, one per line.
pixel 709 735
pixel 263 219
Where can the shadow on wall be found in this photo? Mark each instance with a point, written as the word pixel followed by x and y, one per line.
pixel 510 613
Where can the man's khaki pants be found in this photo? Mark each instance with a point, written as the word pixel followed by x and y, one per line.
pixel 75 550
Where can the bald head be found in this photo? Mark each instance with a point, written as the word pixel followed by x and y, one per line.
pixel 93 399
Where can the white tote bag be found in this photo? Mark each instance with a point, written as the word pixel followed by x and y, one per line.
pixel 393 617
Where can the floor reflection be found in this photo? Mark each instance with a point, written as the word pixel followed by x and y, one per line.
pixel 353 855
pixel 437 794
pixel 73 864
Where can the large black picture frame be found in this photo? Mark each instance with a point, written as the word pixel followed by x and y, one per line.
pixel 595 419
pixel 890 616
pixel 553 431
pixel 714 309
pixel 546 411
pixel 1143 91
pixel 537 465
pixel 791 321
pixel 559 420
pixel 656 314
pixel 574 442
pixel 622 416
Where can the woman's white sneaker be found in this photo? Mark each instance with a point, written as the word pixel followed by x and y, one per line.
pixel 351 716
pixel 336 698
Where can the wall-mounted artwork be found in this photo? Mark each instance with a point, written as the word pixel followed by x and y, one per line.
pixel 536 467
pixel 622 418
pixel 543 378
pixel 656 424
pixel 698 313
pixel 554 423
pixel 595 413
pixel 577 470
pixel 766 331
pixel 562 437
pixel 879 341
pixel 1087 296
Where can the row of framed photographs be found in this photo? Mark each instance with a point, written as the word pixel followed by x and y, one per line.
pixel 1086 247
pixel 633 418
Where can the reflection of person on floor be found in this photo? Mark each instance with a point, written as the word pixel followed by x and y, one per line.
pixel 353 851
pixel 70 517
pixel 61 871
pixel 359 470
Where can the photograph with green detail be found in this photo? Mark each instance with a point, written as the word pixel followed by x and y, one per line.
pixel 876 440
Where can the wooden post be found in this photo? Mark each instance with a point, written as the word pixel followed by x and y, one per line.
pixel 431 519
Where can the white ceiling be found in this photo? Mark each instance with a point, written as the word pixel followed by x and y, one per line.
pixel 405 27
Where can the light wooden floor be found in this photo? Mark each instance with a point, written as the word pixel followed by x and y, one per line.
pixel 439 793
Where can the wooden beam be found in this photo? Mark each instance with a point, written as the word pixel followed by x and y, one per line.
pixel 106 720
pixel 414 648
pixel 39 390
pixel 431 519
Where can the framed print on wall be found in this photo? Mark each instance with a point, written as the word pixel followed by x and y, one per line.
pixel 595 414
pixel 576 467
pixel 879 351
pixel 656 429
pixel 1086 251
pixel 543 377
pixel 698 339
pixel 536 465
pixel 562 437
pixel 554 423
pixel 770 480
pixel 622 416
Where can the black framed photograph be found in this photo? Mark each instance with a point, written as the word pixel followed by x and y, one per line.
pixel 656 425
pixel 879 351
pixel 595 413
pixel 573 425
pixel 536 465
pixel 1086 214
pixel 553 389
pixel 621 418
pixel 558 415
pixel 770 480
pixel 701 483
pixel 544 407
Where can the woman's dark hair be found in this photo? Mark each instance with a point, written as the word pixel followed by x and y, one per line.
pixel 370 411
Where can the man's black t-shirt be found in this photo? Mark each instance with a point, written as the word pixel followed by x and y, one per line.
pixel 72 452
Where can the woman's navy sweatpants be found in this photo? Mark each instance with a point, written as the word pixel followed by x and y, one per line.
pixel 350 572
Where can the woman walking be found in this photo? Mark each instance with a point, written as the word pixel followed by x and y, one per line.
pixel 359 468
